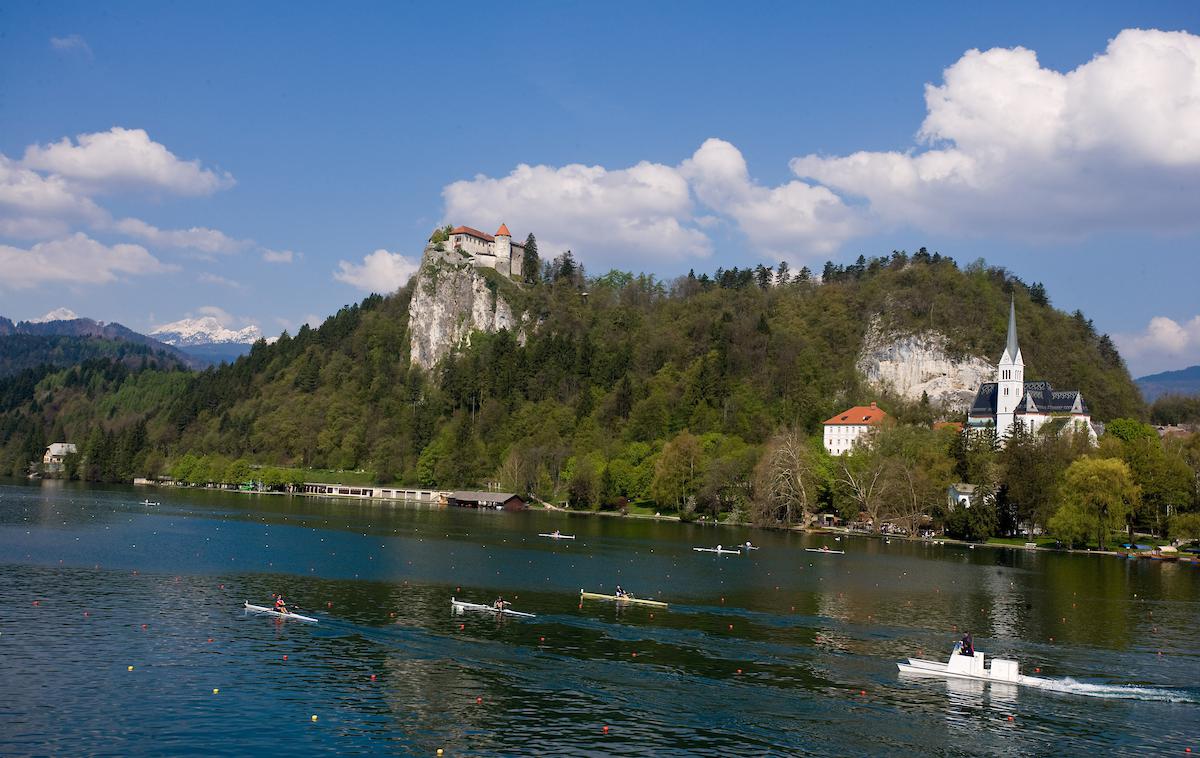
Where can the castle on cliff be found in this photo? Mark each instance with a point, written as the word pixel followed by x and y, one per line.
pixel 496 251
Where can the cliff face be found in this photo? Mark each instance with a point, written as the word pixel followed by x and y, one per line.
pixel 451 299
pixel 912 364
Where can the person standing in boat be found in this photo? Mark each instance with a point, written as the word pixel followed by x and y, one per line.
pixel 967 646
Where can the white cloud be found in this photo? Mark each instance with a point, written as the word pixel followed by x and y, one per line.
pixel 72 43
pixel 1164 344
pixel 223 317
pixel 380 271
pixel 608 216
pixel 209 278
pixel 198 238
pixel 1017 149
pixel 34 206
pixel 278 256
pixel 121 157
pixel 76 259
pixel 794 218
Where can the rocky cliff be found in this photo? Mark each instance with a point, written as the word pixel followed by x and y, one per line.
pixel 912 364
pixel 451 299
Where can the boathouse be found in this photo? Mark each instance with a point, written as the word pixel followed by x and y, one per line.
pixel 499 500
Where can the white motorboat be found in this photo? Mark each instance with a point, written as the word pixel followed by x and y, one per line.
pixel 1002 671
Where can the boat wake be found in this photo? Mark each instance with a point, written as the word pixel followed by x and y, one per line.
pixel 1113 691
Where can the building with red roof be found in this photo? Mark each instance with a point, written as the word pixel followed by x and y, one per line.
pixel 496 251
pixel 851 426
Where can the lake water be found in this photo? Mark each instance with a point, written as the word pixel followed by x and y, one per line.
pixel 778 652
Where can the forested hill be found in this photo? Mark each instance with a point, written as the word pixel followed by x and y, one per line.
pixel 608 369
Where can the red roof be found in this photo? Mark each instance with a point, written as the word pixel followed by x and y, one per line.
pixel 503 231
pixel 859 414
pixel 473 233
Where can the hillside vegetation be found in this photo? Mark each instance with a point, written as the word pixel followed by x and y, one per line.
pixel 618 368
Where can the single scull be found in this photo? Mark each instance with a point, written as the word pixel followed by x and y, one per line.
pixel 272 612
pixel 465 606
pixel 824 550
pixel 637 600
pixel 554 536
pixel 717 550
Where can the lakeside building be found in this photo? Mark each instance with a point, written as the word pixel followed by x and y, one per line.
pixel 1010 400
pixel 56 456
pixel 507 501
pixel 845 430
pixel 496 251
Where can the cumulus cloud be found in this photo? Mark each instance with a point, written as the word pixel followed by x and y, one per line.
pixel 124 158
pixel 34 206
pixel 380 271
pixel 783 220
pixel 76 259
pixel 198 238
pixel 210 278
pixel 72 43
pixel 278 256
pixel 1163 344
pixel 616 216
pixel 1011 147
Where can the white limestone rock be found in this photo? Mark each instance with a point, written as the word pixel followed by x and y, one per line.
pixel 451 299
pixel 911 364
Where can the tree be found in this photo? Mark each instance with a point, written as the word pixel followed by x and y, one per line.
pixel 860 483
pixel 531 264
pixel 786 481
pixel 782 274
pixel 677 471
pixel 919 471
pixel 1096 491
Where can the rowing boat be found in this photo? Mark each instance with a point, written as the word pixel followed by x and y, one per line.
pixel 462 605
pixel 824 550
pixel 717 550
pixel 554 536
pixel 273 612
pixel 635 600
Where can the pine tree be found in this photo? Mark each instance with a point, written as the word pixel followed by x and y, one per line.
pixel 531 265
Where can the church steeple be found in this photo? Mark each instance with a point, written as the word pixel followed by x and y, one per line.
pixel 1012 351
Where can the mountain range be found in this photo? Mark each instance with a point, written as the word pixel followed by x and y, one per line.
pixel 206 338
pixel 1182 382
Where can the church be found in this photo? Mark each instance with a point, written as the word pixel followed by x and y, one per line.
pixel 1010 400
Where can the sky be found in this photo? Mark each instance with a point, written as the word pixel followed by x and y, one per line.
pixel 268 163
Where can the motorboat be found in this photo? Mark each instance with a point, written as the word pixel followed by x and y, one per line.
pixel 970 667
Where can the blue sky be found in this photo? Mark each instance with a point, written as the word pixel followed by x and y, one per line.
pixel 249 160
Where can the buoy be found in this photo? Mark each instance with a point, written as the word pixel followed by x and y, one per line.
pixel 1037 671
pixel 372 677
pixel 739 671
pixel 461 627
pixel 143 626
pixel 314 717
pixel 210 639
pixel 439 752
pixel 478 700
pixel 329 605
pixel 86 613
pixel 862 692
pixel 285 657
pixel 731 627
pixel 1010 718
pixel 130 668
pixel 606 729
pixel 541 639
pixel 216 690
pixel 634 654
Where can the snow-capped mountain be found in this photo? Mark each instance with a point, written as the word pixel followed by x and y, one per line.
pixel 205 330
pixel 58 314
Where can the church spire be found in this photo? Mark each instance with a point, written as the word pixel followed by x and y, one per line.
pixel 1012 330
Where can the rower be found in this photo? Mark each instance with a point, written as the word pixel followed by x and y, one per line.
pixel 499 604
pixel 718 548
pixel 280 606
pixel 748 545
pixel 620 592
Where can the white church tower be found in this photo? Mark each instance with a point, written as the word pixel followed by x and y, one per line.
pixel 1010 378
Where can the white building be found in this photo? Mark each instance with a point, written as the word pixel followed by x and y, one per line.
pixel 56 455
pixel 490 251
pixel 1010 400
pixel 847 428
pixel 960 494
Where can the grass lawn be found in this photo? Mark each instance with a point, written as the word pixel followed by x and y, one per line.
pixel 327 476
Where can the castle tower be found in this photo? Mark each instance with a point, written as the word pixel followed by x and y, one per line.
pixel 503 250
pixel 1010 378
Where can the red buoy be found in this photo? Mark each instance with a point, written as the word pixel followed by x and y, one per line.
pixel 478 700
pixel 285 657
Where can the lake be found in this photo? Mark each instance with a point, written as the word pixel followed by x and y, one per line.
pixel 780 651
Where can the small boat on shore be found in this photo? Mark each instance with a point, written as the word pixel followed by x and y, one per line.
pixel 824 550
pixel 557 536
pixel 273 612
pixel 462 605
pixel 970 667
pixel 624 599
pixel 718 550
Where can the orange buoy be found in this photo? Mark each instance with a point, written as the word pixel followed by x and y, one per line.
pixel 478 700
pixel 372 677
pixel 606 729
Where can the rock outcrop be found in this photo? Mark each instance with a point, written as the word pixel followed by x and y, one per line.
pixel 451 299
pixel 910 365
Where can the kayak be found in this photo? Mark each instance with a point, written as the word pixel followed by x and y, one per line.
pixel 821 550
pixel 465 606
pixel 717 550
pixel 273 612
pixel 636 600
pixel 554 536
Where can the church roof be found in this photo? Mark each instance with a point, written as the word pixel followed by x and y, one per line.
pixel 1011 348
pixel 473 233
pixel 1044 400
pixel 859 414
pixel 503 231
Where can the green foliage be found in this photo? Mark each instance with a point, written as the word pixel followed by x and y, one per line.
pixel 1096 491
pixel 1128 430
pixel 1176 409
